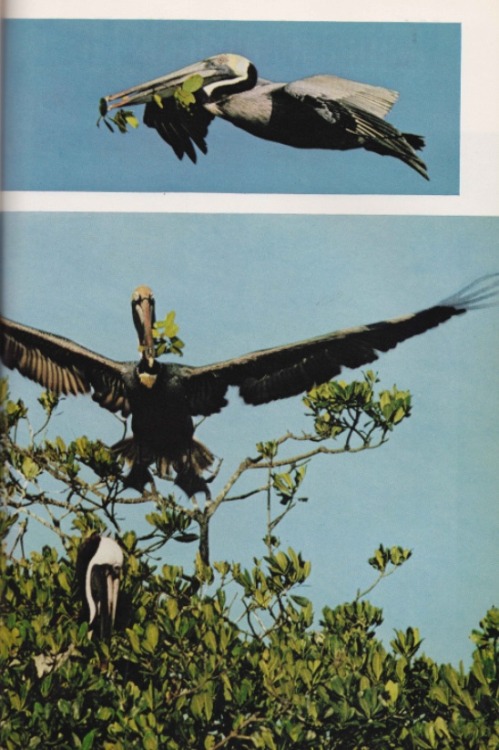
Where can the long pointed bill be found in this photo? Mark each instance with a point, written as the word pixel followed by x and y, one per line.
pixel 113 585
pixel 165 86
pixel 105 586
pixel 146 312
pixel 110 603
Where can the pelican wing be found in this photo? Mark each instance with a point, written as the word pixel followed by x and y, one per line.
pixel 358 110
pixel 288 370
pixel 376 100
pixel 180 127
pixel 62 366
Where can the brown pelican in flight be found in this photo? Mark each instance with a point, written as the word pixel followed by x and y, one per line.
pixel 322 111
pixel 98 570
pixel 163 397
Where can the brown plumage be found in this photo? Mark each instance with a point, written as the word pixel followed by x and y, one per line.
pixel 162 398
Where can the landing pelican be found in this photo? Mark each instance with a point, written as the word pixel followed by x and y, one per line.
pixel 163 397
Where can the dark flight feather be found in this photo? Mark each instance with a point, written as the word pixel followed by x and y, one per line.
pixel 179 126
pixel 62 366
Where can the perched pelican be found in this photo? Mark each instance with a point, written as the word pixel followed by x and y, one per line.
pixel 163 398
pixel 322 111
pixel 98 570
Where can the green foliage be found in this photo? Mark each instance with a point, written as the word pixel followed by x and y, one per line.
pixel 221 657
pixel 338 407
pixel 184 94
pixel 122 119
pixel 165 336
pixel 286 484
pixel 48 401
pixel 184 669
pixel 382 558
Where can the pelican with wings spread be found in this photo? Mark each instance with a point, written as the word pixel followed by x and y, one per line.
pixel 162 398
pixel 321 111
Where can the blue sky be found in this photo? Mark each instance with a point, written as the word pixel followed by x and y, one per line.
pixel 243 282
pixel 56 71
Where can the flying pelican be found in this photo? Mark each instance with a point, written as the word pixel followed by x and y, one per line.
pixel 98 569
pixel 163 397
pixel 322 111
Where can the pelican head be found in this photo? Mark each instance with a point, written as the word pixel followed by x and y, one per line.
pixel 99 565
pixel 226 73
pixel 144 319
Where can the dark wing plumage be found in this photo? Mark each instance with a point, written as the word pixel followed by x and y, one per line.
pixel 180 127
pixel 288 370
pixel 357 111
pixel 62 366
pixel 383 138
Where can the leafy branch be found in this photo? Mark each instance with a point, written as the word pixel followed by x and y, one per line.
pixel 183 95
pixel 347 418
pixel 122 119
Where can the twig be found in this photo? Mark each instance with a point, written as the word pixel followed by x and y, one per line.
pixel 382 575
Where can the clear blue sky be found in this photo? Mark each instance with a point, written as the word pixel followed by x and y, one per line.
pixel 56 72
pixel 240 283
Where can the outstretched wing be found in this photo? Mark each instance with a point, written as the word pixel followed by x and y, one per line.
pixel 180 127
pixel 62 366
pixel 288 370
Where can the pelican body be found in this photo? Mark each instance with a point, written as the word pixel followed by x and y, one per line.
pixel 98 571
pixel 162 398
pixel 321 111
pixel 163 429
